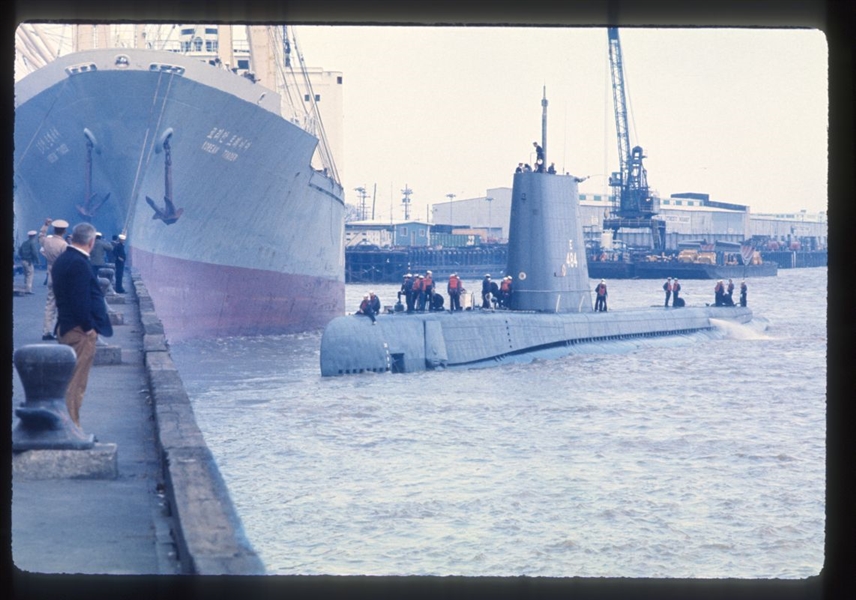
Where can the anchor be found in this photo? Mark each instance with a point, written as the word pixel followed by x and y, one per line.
pixel 93 201
pixel 168 214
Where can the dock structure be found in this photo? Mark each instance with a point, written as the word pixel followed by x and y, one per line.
pixel 165 509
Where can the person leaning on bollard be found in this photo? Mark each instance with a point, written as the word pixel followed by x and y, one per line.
pixel 82 311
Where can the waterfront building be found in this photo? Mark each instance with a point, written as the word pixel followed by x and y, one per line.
pixel 386 234
pixel 489 214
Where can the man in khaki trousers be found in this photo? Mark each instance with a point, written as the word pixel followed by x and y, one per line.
pixel 82 311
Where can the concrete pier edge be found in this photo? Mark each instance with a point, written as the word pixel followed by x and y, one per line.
pixel 208 532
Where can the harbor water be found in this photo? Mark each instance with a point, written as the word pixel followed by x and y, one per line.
pixel 684 457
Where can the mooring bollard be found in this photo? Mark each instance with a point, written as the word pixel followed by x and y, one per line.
pixel 108 274
pixel 45 370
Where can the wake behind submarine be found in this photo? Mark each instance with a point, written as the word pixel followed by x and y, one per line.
pixel 551 305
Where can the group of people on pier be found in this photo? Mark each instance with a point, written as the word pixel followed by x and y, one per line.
pixel 75 307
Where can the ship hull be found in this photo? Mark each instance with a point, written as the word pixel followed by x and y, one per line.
pixel 258 246
pixel 402 343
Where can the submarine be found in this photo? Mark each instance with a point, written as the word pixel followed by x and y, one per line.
pixel 551 302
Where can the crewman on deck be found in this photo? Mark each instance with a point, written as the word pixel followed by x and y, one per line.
pixel 419 293
pixel 454 288
pixel 743 291
pixel 676 289
pixel 486 291
pixel 729 294
pixel 667 287
pixel 428 289
pixel 505 292
pixel 375 303
pixel 718 293
pixel 600 297
pixel 406 288
pixel 366 309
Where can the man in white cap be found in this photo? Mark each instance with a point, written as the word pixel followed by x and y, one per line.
pixel 119 258
pixel 29 253
pixel 98 256
pixel 52 247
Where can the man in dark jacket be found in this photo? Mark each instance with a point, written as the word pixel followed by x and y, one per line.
pixel 82 311
pixel 29 253
pixel 119 257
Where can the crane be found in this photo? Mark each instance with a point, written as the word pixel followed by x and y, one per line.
pixel 636 207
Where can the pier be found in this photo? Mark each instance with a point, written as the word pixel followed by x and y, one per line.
pixel 164 509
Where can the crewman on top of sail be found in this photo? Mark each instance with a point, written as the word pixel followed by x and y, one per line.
pixel 539 157
pixel 676 289
pixel 454 289
pixel 552 169
pixel 600 297
pixel 667 287
pixel 743 291
pixel 505 292
pixel 519 168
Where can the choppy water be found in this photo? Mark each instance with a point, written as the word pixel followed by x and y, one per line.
pixel 701 456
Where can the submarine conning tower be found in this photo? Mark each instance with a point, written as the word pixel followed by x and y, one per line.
pixel 546 249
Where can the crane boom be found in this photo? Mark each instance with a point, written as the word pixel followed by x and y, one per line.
pixel 619 100
pixel 636 206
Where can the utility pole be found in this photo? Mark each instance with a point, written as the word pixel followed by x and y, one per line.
pixel 544 126
pixel 489 201
pixel 406 201
pixel 363 196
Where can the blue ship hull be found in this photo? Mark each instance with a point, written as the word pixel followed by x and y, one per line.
pixel 258 247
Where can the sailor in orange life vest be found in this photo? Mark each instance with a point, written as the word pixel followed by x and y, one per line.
pixel 419 292
pixel 505 291
pixel 366 309
pixel 667 287
pixel 454 289
pixel 719 294
pixel 600 300
pixel 676 289
pixel 428 290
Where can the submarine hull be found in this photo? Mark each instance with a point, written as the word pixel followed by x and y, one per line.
pixel 417 342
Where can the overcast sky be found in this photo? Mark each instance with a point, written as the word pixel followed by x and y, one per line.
pixel 738 114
